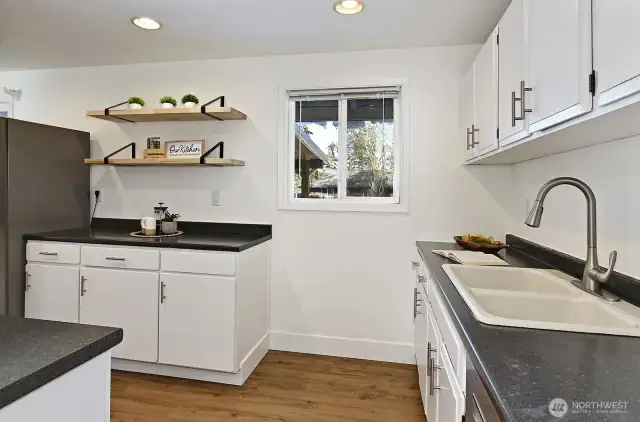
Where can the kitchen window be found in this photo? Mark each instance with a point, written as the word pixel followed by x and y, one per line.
pixel 342 150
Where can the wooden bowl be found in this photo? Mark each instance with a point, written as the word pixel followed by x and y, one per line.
pixel 478 247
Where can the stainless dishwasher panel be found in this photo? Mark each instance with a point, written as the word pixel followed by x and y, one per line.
pixel 479 407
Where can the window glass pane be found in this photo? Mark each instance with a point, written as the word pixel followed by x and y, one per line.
pixel 370 147
pixel 316 149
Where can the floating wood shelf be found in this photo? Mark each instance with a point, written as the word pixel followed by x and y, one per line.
pixel 216 162
pixel 168 115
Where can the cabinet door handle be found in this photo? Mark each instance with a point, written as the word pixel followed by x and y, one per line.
pixel 469 133
pixel 522 99
pixel 113 258
pixel 49 253
pixel 429 359
pixel 82 289
pixel 474 129
pixel 414 264
pixel 26 284
pixel 415 302
pixel 421 279
pixel 162 296
pixel 432 382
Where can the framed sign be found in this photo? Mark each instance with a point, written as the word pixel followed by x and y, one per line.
pixel 184 149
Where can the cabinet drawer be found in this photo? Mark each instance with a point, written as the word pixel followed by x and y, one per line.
pixel 214 263
pixel 61 253
pixel 126 258
pixel 452 340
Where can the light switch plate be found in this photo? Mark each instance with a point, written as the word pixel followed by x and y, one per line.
pixel 215 198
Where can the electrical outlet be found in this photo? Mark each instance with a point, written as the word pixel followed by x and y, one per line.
pixel 101 196
pixel 215 198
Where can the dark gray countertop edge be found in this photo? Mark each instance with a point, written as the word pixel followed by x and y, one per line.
pixel 35 380
pixel 145 243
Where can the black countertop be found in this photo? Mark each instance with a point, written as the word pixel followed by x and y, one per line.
pixel 34 352
pixel 202 236
pixel 524 369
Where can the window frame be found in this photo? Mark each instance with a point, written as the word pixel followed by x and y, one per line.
pixel 399 203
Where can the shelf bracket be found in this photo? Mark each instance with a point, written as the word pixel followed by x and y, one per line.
pixel 107 112
pixel 133 152
pixel 216 146
pixel 203 108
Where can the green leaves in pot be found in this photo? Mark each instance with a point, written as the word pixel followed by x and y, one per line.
pixel 136 100
pixel 190 98
pixel 168 99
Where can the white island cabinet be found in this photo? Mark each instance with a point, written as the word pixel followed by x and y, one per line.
pixel 185 313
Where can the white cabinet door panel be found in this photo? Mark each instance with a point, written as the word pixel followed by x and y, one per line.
pixel 616 38
pixel 450 398
pixel 486 97
pixel 434 346
pixel 52 292
pixel 512 71
pixel 124 299
pixel 198 321
pixel 559 49
pixel 468 112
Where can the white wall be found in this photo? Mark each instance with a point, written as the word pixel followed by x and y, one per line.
pixel 341 282
pixel 613 173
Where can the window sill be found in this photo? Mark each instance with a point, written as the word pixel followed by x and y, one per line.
pixel 343 206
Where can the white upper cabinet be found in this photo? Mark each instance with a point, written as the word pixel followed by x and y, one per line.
pixel 559 61
pixel 512 69
pixel 616 33
pixel 486 97
pixel 468 112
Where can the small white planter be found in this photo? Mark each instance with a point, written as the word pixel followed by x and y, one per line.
pixel 135 106
pixel 190 105
pixel 167 105
pixel 169 227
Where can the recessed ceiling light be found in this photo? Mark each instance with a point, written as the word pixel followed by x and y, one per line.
pixel 146 23
pixel 349 7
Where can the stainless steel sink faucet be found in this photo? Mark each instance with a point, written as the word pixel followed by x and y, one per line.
pixel 592 277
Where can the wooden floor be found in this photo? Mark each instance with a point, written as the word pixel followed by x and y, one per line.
pixel 284 387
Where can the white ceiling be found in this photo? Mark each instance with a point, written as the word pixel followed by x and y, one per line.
pixel 61 33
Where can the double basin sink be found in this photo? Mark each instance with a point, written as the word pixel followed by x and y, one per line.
pixel 543 299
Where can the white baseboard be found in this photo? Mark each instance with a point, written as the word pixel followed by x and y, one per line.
pixel 343 347
pixel 238 378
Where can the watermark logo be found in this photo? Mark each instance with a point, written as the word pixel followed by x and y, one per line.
pixel 558 407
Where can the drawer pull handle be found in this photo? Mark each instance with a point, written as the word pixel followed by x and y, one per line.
pixel 113 258
pixel 162 296
pixel 414 264
pixel 82 289
pixel 26 284
pixel 49 253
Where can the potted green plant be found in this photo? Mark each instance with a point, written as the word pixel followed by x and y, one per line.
pixel 170 223
pixel 190 101
pixel 168 102
pixel 136 103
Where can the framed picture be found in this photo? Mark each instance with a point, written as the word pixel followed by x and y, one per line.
pixel 5 109
pixel 184 149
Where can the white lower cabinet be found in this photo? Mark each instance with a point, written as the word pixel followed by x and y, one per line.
pixel 52 292
pixel 124 299
pixel 189 304
pixel 441 388
pixel 185 313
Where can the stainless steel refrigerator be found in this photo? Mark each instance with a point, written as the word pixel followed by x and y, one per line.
pixel 44 185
